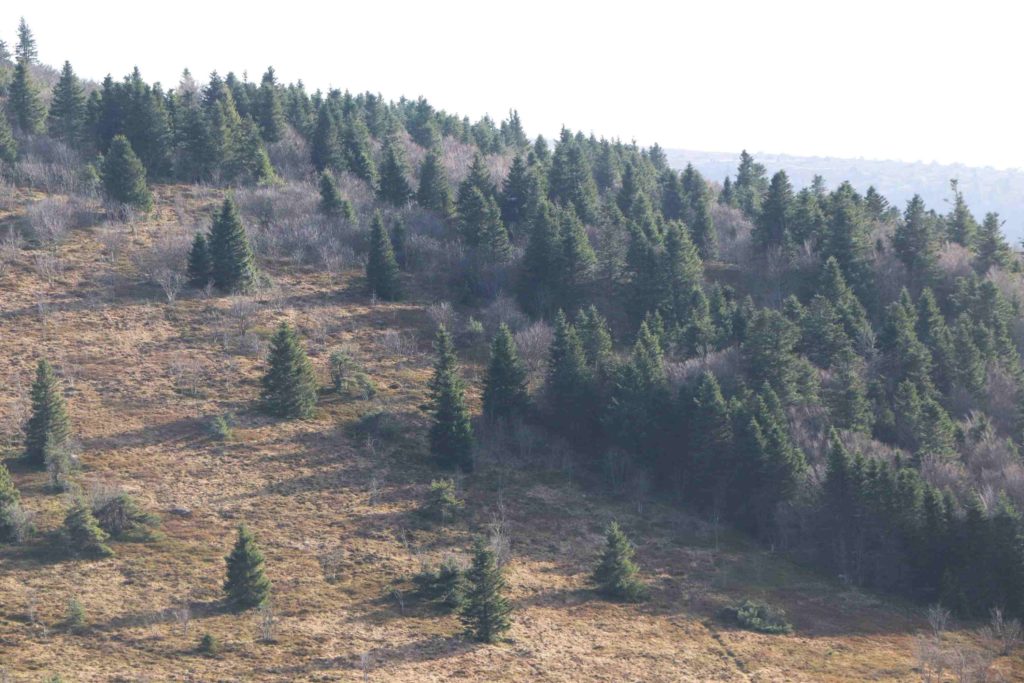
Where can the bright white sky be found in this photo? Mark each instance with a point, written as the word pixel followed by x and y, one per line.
pixel 900 79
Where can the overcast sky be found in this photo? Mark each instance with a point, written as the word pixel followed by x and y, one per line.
pixel 906 80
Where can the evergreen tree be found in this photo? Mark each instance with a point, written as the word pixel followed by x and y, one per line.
pixel 67 109
pixel 848 238
pixel 394 187
pixel 10 499
pixel 269 110
pixel 773 223
pixel 434 193
pixel 697 213
pixel 8 147
pixel 616 572
pixel 519 193
pixel 451 434
pixel 199 269
pixel 963 229
pixel 750 187
pixel 769 354
pixel 26 50
pixel 83 533
pixel 847 396
pixel 382 272
pixel 505 395
pixel 247 161
pixel 596 340
pixel 485 610
pixel 331 201
pixel 48 428
pixel 124 176
pixel 991 245
pixel 246 585
pixel 916 241
pixel 538 282
pixel 578 260
pixel 233 266
pixel 568 379
pixel 933 332
pixel 639 396
pixel 356 146
pixel 289 386
pixel 711 444
pixel 325 147
pixel 571 181
pixel 24 106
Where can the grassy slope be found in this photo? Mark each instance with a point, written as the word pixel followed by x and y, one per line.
pixel 307 489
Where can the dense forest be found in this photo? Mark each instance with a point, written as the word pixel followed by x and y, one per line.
pixel 837 376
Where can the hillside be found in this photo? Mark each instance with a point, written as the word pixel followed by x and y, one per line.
pixel 332 501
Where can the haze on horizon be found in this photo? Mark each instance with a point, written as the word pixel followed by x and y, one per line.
pixel 909 81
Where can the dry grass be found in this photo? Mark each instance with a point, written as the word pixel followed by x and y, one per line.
pixel 332 501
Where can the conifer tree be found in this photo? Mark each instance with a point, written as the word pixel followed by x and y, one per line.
pixel 963 229
pixel 83 533
pixel 199 269
pixel 24 106
pixel 393 186
pixel 568 379
pixel 382 274
pixel 847 397
pixel 48 428
pixel 246 585
pixel 916 240
pixel 519 193
pixel 356 146
pixel 331 201
pixel 434 193
pixel 493 235
pixel 485 610
pixel 848 238
pixel 269 111
pixel 616 572
pixel 991 245
pixel 289 386
pixel 8 147
pixel 538 283
pixel 933 332
pixel 505 395
pixel 773 223
pixel 247 161
pixel 711 443
pixel 769 354
pixel 578 260
pixel 124 176
pixel 67 109
pixel 9 501
pixel 750 187
pixel 325 147
pixel 233 266
pixel 26 49
pixel 451 434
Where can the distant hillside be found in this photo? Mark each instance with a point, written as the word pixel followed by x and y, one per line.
pixel 985 189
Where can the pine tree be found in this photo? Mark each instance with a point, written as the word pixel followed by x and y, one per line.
pixel 493 235
pixel 26 50
pixel 916 241
pixel 519 193
pixel 246 585
pixel 991 245
pixel 577 263
pixel 773 223
pixel 567 385
pixel 83 533
pixel 848 239
pixel 289 386
pixel 393 186
pixel 847 398
pixel 596 340
pixel 382 272
pixel 199 268
pixel 750 187
pixel 711 443
pixel 769 354
pixel 233 266
pixel 356 146
pixel 434 193
pixel 505 395
pixel 331 201
pixel 247 161
pixel 269 111
pixel 8 147
pixel 616 572
pixel 24 106
pixel 124 176
pixel 325 147
pixel 963 229
pixel 538 278
pixel 485 610
pixel 48 429
pixel 67 109
pixel 451 434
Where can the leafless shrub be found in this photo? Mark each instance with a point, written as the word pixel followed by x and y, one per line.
pixel 112 243
pixel 10 249
pixel 724 364
pixel 938 620
pixel 398 344
pixel 242 312
pixel 1005 634
pixel 733 234
pixel 534 343
pixel 498 538
pixel 290 155
pixel 332 562
pixel 505 310
pixel 187 374
pixel 442 313
pixel 170 281
pixel 183 616
pixel 426 254
pixel 20 521
pixel 954 261
pixel 267 621
pixel 49 267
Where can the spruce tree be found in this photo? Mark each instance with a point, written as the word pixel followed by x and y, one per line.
pixel 48 429
pixel 382 274
pixel 232 262
pixel 8 147
pixel 26 49
pixel 846 398
pixel 963 229
pixel 356 147
pixel 247 161
pixel 616 572
pixel 269 111
pixel 83 533
pixel 9 501
pixel 67 109
pixel 711 443
pixel 773 222
pixel 393 185
pixel 331 201
pixel 246 585
pixel 485 610
pixel 568 384
pixel 124 176
pixel 451 434
pixel 991 246
pixel 916 241
pixel 289 386
pixel 434 193
pixel 199 269
pixel 24 106
pixel 505 395
pixel 325 147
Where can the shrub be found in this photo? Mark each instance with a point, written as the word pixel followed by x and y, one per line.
pixel 121 516
pixel 83 534
pixel 208 645
pixel 220 427
pixel 446 585
pixel 347 376
pixel 442 502
pixel 616 572
pixel 760 617
pixel 76 614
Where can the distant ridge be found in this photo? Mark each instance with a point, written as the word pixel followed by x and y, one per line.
pixel 985 188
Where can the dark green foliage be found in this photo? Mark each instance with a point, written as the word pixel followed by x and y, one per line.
pixel 768 352
pixel 124 177
pixel 67 109
pixel 247 161
pixel 916 240
pixel 393 185
pixel 200 267
pixel 442 503
pixel 446 586
pixel 208 645
pixel 269 110
pixel 246 585
pixel 639 395
pixel 121 516
pixel 233 266
pixel 8 147
pixel 772 229
pixel 505 395
pixel 848 238
pixel 570 179
pixel 48 428
pixel 325 147
pixel 331 201
pixel 760 617
pixel 355 144
pixel 24 106
pixel 83 534
pixel 846 397
pixel 451 434
pixel 568 384
pixel 991 245
pixel 26 50
pixel 962 228
pixel 10 499
pixel 616 574
pixel 382 273
pixel 711 443
pixel 289 386
pixel 485 610
pixel 750 187
pixel 434 191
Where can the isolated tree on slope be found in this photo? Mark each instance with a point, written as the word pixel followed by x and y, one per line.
pixel 451 434
pixel 232 262
pixel 331 201
pixel 382 273
pixel 246 585
pixel 83 533
pixel 199 268
pixel 124 176
pixel 47 431
pixel 289 387
pixel 616 572
pixel 485 611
